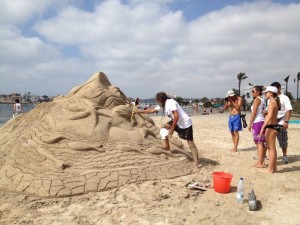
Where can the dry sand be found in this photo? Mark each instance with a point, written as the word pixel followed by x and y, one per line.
pixel 168 201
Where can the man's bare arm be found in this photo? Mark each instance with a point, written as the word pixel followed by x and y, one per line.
pixel 145 111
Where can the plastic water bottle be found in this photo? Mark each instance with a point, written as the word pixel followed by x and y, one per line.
pixel 240 191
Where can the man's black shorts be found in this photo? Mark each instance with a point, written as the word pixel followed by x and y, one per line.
pixel 186 133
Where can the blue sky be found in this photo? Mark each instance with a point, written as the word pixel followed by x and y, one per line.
pixel 191 48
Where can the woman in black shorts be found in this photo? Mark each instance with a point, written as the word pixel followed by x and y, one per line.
pixel 271 127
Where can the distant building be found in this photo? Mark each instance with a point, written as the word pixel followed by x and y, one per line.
pixel 10 98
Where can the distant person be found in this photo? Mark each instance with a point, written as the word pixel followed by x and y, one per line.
pixel 211 110
pixel 271 127
pixel 256 122
pixel 180 122
pixel 196 109
pixel 234 103
pixel 283 117
pixel 17 108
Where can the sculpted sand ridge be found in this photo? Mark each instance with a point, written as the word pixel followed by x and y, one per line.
pixel 84 141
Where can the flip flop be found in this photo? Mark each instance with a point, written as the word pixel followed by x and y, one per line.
pixel 196 185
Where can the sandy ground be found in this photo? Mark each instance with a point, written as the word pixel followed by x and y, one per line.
pixel 170 201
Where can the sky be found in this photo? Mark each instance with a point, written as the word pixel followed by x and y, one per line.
pixel 189 48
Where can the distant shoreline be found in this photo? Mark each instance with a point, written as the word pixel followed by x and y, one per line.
pixel 11 103
pixel 8 102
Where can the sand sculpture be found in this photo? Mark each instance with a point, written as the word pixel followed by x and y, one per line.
pixel 84 141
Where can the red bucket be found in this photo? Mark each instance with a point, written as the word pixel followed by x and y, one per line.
pixel 222 182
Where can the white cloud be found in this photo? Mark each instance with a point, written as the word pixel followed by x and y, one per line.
pixel 18 11
pixel 146 47
pixel 113 22
pixel 19 50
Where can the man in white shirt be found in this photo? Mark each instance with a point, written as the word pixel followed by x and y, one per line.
pixel 283 118
pixel 180 122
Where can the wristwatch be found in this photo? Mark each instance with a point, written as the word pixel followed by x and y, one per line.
pixel 286 121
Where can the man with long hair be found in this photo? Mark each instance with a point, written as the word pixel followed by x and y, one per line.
pixel 180 122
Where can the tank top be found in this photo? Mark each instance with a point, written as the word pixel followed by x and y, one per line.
pixel 259 113
pixel 18 107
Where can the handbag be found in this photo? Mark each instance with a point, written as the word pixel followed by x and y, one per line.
pixel 244 122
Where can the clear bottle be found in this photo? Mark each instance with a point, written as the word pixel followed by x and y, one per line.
pixel 240 191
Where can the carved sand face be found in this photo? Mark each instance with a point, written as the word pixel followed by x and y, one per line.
pixel 109 97
pixel 87 111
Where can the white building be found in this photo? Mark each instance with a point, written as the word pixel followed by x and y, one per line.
pixel 248 95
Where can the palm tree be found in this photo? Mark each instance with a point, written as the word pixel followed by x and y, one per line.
pixel 298 78
pixel 240 77
pixel 236 92
pixel 204 99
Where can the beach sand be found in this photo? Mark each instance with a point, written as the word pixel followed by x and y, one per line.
pixel 169 201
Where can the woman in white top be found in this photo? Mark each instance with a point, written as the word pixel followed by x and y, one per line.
pixel 256 122
pixel 17 109
pixel 180 122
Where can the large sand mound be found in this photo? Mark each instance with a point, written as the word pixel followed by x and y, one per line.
pixel 84 142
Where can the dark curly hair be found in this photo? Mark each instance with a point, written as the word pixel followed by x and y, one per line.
pixel 259 89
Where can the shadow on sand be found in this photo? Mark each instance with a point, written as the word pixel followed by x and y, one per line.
pixel 289 169
pixel 206 161
pixel 248 148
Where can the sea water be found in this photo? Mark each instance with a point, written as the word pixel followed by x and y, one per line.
pixel 294 122
pixel 6 111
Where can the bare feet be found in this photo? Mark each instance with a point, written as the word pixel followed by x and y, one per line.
pixel 197 167
pixel 233 150
pixel 267 171
pixel 256 165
